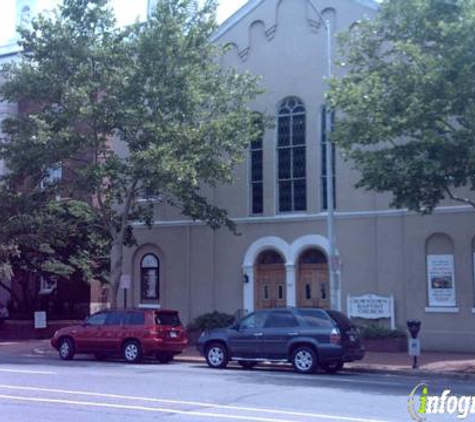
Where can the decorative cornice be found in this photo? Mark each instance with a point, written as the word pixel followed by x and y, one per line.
pixel 302 217
pixel 251 5
pixel 235 18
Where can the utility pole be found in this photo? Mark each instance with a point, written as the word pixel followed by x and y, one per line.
pixel 333 259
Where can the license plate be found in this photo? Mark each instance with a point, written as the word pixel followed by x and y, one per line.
pixel 173 334
pixel 352 337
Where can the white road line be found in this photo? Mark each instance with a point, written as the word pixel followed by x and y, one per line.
pixel 173 411
pixel 192 403
pixel 25 371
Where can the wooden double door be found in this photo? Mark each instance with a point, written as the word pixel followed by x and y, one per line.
pixel 270 291
pixel 313 286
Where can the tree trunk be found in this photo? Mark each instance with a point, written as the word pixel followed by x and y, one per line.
pixel 117 258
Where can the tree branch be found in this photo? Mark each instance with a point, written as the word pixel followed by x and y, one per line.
pixel 458 199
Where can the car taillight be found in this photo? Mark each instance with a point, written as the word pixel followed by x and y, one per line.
pixel 156 332
pixel 335 336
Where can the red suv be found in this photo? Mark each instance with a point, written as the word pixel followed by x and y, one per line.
pixel 129 333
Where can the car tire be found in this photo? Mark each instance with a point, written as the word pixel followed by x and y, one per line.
pixel 164 357
pixel 66 349
pixel 132 352
pixel 217 356
pixel 100 356
pixel 332 368
pixel 304 360
pixel 247 364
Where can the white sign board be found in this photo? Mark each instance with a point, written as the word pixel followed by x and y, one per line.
pixel 40 320
pixel 372 307
pixel 414 347
pixel 125 281
pixel 441 280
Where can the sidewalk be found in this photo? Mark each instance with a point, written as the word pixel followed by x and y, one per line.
pixel 460 365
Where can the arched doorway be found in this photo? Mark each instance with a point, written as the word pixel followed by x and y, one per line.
pixel 269 287
pixel 313 288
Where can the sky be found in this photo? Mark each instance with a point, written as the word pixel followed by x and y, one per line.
pixel 126 11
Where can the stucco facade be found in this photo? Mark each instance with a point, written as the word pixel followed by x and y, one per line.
pixel 382 251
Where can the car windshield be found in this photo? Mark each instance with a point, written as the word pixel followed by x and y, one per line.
pixel 171 319
pixel 341 319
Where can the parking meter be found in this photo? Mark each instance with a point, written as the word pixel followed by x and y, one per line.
pixel 414 326
pixel 414 346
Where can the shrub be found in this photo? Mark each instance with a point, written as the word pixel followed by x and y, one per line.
pixel 211 320
pixel 373 331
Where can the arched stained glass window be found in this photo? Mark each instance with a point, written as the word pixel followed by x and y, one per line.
pixel 150 277
pixel 291 155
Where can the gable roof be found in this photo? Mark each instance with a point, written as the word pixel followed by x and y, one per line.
pixel 247 8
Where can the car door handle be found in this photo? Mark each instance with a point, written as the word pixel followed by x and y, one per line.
pixel 258 334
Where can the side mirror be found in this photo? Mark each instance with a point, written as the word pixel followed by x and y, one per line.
pixel 235 326
pixel 84 323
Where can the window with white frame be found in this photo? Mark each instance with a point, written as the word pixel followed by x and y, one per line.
pixel 47 285
pixel 291 156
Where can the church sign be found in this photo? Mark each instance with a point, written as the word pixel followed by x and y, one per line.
pixel 372 307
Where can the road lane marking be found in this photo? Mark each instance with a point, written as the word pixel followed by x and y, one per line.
pixel 25 371
pixel 190 403
pixel 174 411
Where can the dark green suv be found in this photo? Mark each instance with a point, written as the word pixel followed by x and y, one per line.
pixel 305 337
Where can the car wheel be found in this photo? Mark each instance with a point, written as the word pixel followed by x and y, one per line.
pixel 247 364
pixel 304 360
pixel 66 349
pixel 132 351
pixel 332 368
pixel 100 356
pixel 217 356
pixel 163 357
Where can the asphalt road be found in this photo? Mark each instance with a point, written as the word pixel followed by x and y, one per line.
pixel 43 389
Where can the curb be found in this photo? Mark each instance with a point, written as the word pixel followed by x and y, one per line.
pixel 360 370
pixel 413 373
pixel 369 370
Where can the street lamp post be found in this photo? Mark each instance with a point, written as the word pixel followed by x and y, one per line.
pixel 333 261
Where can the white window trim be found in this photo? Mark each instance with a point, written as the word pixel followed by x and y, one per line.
pixel 47 286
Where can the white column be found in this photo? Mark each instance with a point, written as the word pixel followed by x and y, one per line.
pixel 248 302
pixel 291 285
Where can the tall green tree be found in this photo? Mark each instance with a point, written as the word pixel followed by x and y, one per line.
pixel 407 101
pixel 128 110
pixel 40 237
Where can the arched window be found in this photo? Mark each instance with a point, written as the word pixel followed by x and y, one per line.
pixel 270 257
pixel 150 277
pixel 256 178
pixel 291 156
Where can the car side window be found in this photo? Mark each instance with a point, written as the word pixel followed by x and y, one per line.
pixel 315 318
pixel 135 318
pixel 281 320
pixel 255 320
pixel 97 319
pixel 115 318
